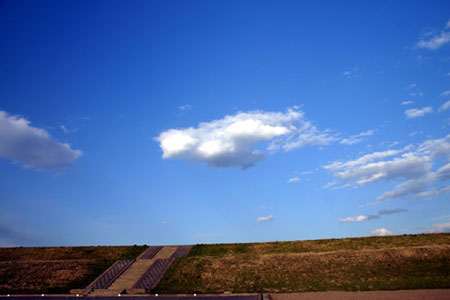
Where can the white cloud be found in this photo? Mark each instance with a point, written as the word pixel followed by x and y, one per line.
pixel 414 133
pixel 411 186
pixel 407 102
pixel 436 148
pixel 163 222
pixel 445 93
pixel 347 74
pixel 356 138
pixel 366 133
pixel 371 217
pixel 306 172
pixel 444 227
pixel 436 40
pixel 441 218
pixel 415 113
pixel 411 86
pixel 264 219
pixel 445 106
pixel 433 192
pixel 185 107
pixel 354 73
pixel 234 140
pixel 31 146
pixel 357 219
pixel 412 166
pixel 381 232
pixel 293 179
pixel 443 173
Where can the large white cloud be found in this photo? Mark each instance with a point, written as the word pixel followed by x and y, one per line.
pixel 31 146
pixel 411 166
pixel 238 140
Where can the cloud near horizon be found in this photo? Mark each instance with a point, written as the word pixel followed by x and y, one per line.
pixel 371 217
pixel 31 146
pixel 381 232
pixel 242 139
pixel 437 228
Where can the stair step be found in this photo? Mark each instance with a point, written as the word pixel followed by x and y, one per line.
pixel 106 292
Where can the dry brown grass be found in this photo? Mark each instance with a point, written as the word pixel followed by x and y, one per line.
pixel 56 269
pixel 325 245
pixel 361 264
pixel 71 253
pixel 43 276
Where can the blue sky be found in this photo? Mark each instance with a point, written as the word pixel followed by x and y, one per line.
pixel 181 122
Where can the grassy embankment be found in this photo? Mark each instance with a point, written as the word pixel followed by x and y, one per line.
pixel 37 270
pixel 370 263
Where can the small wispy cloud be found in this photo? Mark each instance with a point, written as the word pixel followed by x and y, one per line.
pixel 185 107
pixel 354 139
pixel 415 133
pixel 306 172
pixel 441 218
pixel 294 179
pixel 433 41
pixel 391 211
pixel 445 93
pixel 357 219
pixel 264 219
pixel 354 73
pixel 434 192
pixel 416 113
pixel 411 86
pixel 381 232
pixel 407 102
pixel 66 130
pixel 445 106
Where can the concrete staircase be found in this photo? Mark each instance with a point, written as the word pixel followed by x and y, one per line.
pixel 128 279
pixel 138 276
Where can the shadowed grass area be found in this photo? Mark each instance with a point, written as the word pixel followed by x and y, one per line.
pixel 36 270
pixel 373 263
